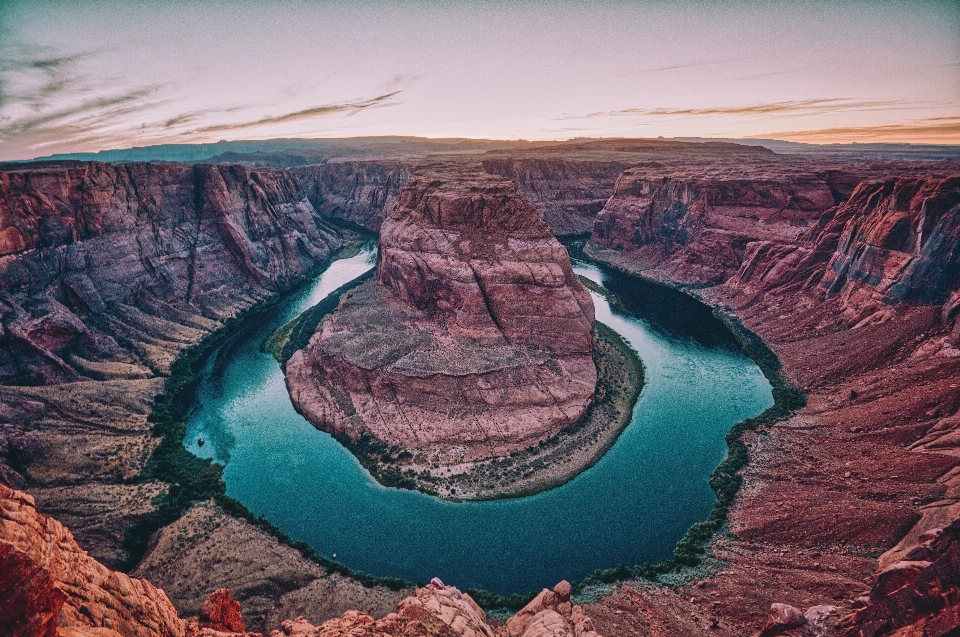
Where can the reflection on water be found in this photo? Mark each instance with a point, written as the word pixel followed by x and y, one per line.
pixel 631 507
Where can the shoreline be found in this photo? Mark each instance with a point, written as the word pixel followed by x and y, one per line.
pixel 537 468
pixel 688 549
pixel 726 479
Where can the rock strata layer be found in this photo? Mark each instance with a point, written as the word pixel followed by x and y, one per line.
pixel 443 611
pixel 474 340
pixel 61 587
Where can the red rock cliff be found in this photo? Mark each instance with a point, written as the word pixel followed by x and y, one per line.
pixel 74 241
pixel 484 334
pixel 695 229
pixel 892 242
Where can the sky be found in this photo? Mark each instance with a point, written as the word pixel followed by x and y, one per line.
pixel 88 75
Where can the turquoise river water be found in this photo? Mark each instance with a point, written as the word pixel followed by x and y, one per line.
pixel 630 508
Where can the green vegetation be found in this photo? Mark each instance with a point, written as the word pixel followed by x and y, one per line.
pixel 593 286
pixel 296 334
pixel 193 479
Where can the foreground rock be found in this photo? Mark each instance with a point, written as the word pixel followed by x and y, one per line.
pixel 443 611
pixel 61 587
pixel 919 595
pixel 50 587
pixel 484 334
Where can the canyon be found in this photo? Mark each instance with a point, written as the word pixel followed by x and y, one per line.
pixel 848 270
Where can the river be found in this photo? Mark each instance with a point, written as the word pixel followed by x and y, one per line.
pixel 631 507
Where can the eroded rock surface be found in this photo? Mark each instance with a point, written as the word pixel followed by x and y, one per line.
pixel 695 228
pixel 483 334
pixel 443 611
pixel 66 588
pixel 893 242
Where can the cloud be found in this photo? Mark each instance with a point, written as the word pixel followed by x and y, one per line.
pixel 350 108
pixel 794 107
pixel 98 110
pixel 32 75
pixel 688 65
pixel 934 130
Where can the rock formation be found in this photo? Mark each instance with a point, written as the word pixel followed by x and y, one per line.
pixel 893 242
pixel 74 242
pixel 483 342
pixel 568 193
pixel 695 229
pixel 918 595
pixel 61 587
pixel 359 192
pixel 221 612
pixel 443 611
pixel 858 303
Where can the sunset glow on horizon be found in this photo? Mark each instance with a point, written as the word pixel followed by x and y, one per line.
pixel 88 75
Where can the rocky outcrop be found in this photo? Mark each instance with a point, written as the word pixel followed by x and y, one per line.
pixel 484 335
pixel 549 614
pixel 919 595
pixel 568 193
pixel 695 229
pixel 61 587
pixel 893 242
pixel 785 620
pixel 158 239
pixel 221 612
pixel 443 611
pixel 359 192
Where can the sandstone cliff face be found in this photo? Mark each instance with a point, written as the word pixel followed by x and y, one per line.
pixel 568 193
pixel 107 273
pixel 695 230
pixel 484 335
pixel 892 242
pixel 919 595
pixel 76 242
pixel 65 588
pixel 362 193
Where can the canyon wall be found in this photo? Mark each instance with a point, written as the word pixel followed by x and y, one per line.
pixel 485 334
pixel 893 242
pixel 91 253
pixel 568 193
pixel 108 272
pixel 695 229
pixel 359 192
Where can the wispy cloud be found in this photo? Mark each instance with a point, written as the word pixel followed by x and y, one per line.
pixel 943 130
pixel 350 108
pixel 794 107
pixel 91 113
pixel 686 65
